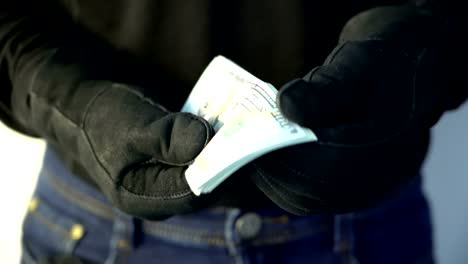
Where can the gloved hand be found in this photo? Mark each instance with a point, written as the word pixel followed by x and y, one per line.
pixel 132 147
pixel 371 105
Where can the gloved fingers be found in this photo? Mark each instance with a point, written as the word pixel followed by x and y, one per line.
pixel 313 177
pixel 363 93
pixel 175 139
pixel 318 103
pixel 143 130
pixel 404 22
pixel 152 189
pixel 334 93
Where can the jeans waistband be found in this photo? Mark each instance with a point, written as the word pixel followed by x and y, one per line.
pixel 61 180
pixel 205 227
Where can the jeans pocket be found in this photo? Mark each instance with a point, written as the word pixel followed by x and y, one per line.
pixel 48 232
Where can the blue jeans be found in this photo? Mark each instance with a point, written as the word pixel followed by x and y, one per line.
pixel 67 216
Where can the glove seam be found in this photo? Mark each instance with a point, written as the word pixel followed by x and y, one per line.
pixel 307 196
pixel 33 94
pixel 140 96
pixel 335 52
pixel 149 101
pixel 55 109
pixel 299 173
pixel 157 197
pixel 108 174
pixel 207 139
pixel 126 191
pixel 54 106
pixel 261 172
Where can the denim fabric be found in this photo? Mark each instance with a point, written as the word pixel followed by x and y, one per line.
pixel 66 216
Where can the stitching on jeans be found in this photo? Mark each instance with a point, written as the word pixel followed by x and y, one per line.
pixel 80 199
pixel 51 225
pixel 177 232
pixel 286 236
pixel 171 227
pixel 45 220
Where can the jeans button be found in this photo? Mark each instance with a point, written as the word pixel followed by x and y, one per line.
pixel 249 225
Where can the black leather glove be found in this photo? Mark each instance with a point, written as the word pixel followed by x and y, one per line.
pixel 132 147
pixel 119 135
pixel 371 105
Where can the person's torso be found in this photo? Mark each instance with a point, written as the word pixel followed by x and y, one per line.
pixel 276 40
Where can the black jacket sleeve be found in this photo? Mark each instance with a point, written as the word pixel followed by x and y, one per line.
pixel 455 17
pixel 30 29
pixel 17 35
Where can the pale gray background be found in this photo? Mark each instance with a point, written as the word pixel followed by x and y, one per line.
pixel 446 172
